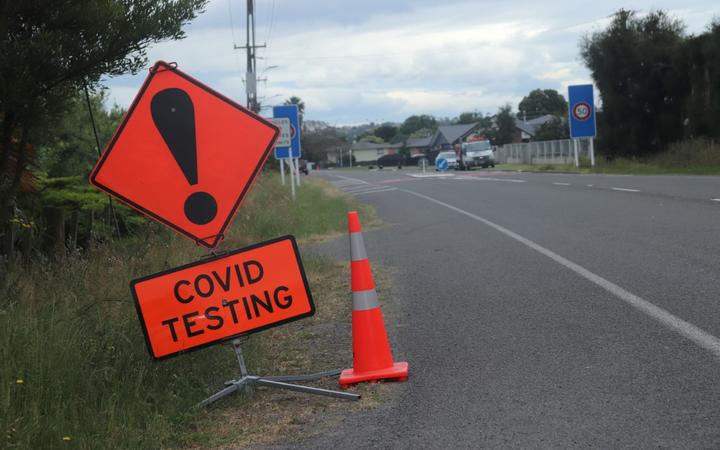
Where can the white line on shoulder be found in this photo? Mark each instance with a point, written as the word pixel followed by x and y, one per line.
pixel 700 337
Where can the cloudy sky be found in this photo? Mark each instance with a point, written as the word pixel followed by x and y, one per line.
pixel 378 60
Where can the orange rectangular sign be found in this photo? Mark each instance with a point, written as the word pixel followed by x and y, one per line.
pixel 222 297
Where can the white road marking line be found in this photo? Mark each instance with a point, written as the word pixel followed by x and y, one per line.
pixel 507 180
pixel 715 199
pixel 700 337
pixel 376 191
pixel 624 189
pixel 362 187
pixel 430 175
pixel 561 184
pixel 589 185
pixel 350 179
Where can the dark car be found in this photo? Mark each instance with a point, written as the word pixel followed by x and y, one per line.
pixel 391 160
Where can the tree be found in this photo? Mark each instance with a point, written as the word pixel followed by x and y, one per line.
pixel 67 147
pixel 316 145
pixel 505 125
pixel 468 118
pixel 700 60
pixel 371 138
pixel 301 107
pixel 553 129
pixel 634 63
pixel 422 133
pixel 540 102
pixel 386 132
pixel 51 50
pixel 414 123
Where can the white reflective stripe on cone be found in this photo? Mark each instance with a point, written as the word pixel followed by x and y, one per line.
pixel 364 300
pixel 357 247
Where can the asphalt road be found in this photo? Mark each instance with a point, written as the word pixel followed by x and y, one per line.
pixel 544 310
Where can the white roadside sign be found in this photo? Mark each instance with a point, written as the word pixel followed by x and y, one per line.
pixel 285 138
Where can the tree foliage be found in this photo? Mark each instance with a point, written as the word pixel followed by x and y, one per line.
pixel 49 51
pixel 371 138
pixel 540 102
pixel 504 126
pixel 468 118
pixel 415 123
pixel 635 65
pixel 553 129
pixel 386 132
pixel 318 144
pixel 67 146
pixel 701 60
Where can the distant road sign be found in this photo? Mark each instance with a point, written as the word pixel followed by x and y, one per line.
pixel 184 155
pixel 441 164
pixel 220 298
pixel 293 150
pixel 582 111
pixel 285 138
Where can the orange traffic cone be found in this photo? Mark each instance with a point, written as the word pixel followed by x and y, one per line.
pixel 372 358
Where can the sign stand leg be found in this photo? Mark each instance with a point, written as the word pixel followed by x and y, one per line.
pixel 575 149
pixel 289 162
pixel 282 171
pixel 246 381
pixel 592 152
pixel 297 170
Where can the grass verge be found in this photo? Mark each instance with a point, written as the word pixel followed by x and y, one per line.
pixel 75 370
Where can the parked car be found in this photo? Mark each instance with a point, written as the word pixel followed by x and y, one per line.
pixel 480 153
pixel 449 157
pixel 391 160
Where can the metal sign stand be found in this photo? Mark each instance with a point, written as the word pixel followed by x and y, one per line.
pixel 575 149
pixel 246 381
pixel 289 162
pixel 282 171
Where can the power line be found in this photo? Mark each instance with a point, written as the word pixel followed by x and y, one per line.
pixel 232 24
pixel 272 22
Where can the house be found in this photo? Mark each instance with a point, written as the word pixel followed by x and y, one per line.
pixel 526 130
pixel 445 138
pixel 418 146
pixel 369 152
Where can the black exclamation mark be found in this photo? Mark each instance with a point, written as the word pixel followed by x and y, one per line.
pixel 174 116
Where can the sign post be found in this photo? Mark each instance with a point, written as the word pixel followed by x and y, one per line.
pixel 582 117
pixel 292 176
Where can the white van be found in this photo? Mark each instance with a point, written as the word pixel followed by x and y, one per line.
pixel 480 153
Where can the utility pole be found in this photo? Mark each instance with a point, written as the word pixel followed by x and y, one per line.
pixel 251 72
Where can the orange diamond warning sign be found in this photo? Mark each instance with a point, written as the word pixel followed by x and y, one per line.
pixel 185 155
pixel 222 297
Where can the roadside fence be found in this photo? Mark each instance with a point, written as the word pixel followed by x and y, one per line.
pixel 543 152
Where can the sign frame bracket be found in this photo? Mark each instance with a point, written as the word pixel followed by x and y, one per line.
pixel 247 381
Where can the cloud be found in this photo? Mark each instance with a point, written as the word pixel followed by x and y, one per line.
pixel 379 60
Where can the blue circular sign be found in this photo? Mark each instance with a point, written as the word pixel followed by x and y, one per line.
pixel 441 164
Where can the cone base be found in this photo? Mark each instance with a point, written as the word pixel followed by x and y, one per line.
pixel 398 372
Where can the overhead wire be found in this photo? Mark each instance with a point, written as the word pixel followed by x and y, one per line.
pixel 234 40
